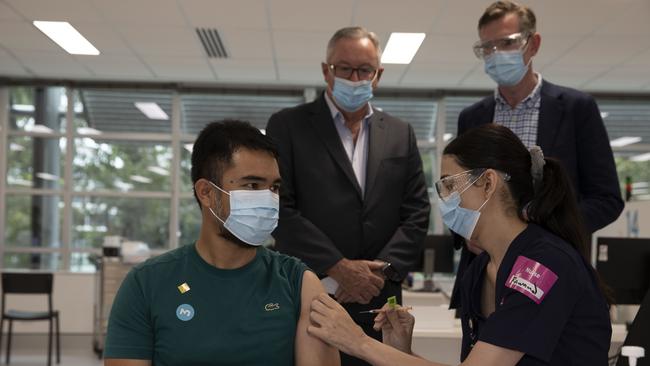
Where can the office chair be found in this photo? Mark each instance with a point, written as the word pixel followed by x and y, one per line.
pixel 29 283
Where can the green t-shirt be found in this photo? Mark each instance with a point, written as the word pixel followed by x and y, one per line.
pixel 176 309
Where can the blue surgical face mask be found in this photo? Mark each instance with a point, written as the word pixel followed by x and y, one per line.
pixel 506 68
pixel 458 219
pixel 351 95
pixel 253 215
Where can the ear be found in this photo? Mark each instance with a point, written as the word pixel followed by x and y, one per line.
pixel 535 43
pixel 205 192
pixel 325 69
pixel 380 72
pixel 491 181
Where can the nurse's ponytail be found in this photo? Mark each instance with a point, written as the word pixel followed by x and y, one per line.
pixel 539 187
pixel 553 206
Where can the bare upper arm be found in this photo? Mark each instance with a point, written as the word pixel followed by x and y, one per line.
pixel 311 351
pixel 486 354
pixel 124 362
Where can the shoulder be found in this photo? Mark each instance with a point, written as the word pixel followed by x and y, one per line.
pixel 565 93
pixel 164 262
pixel 296 113
pixel 554 253
pixel 282 264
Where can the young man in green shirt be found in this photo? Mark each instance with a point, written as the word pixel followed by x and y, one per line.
pixel 226 300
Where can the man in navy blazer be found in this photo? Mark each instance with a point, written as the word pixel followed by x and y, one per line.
pixel 564 122
pixel 354 204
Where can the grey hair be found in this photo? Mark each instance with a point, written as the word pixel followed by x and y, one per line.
pixel 353 33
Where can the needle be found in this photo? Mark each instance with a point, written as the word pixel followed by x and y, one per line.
pixel 377 311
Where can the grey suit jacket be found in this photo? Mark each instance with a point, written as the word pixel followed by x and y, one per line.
pixel 323 215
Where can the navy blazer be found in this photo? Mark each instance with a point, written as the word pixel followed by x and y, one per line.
pixel 324 216
pixel 571 130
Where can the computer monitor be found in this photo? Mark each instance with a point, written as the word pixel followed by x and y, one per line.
pixel 639 333
pixel 437 256
pixel 624 265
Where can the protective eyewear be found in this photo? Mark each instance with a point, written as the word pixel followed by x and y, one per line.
pixel 515 41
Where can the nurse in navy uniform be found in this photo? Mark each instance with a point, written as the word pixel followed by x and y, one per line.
pixel 532 297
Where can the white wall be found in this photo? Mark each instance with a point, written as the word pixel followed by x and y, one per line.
pixel 73 296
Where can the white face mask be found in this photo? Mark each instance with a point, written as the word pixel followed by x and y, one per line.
pixel 253 215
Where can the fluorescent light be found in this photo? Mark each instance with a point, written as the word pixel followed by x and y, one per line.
pixel 88 131
pixel 22 107
pixel 624 141
pixel 641 157
pixel 402 47
pixel 158 170
pixel 47 176
pixel 263 131
pixel 151 110
pixel 446 137
pixel 68 38
pixel 189 147
pixel 39 129
pixel 140 179
pixel 16 147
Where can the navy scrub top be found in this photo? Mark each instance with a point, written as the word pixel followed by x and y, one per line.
pixel 548 304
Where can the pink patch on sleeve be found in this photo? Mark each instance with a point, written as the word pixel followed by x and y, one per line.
pixel 531 279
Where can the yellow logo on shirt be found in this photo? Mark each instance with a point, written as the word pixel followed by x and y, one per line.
pixel 272 306
pixel 183 288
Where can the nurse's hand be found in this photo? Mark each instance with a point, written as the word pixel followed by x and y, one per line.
pixel 332 324
pixel 396 327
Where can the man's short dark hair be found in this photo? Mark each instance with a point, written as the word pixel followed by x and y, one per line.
pixel 499 9
pixel 215 145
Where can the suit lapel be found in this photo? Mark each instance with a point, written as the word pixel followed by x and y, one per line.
pixel 376 143
pixel 550 117
pixel 324 126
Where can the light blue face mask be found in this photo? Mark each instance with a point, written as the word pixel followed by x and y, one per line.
pixel 253 215
pixel 351 95
pixel 460 220
pixel 506 68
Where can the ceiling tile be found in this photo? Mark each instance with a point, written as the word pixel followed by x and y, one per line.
pixel 325 16
pixel 435 75
pixel 622 78
pixel 51 64
pixel 25 36
pixel 104 38
pixel 397 16
pixel 244 70
pixel 392 75
pixel 141 12
pixel 122 67
pixel 157 40
pixel 241 14
pixel 6 13
pixel 181 68
pixel 604 50
pixel 241 43
pixel 9 66
pixel 293 71
pixel 59 10
pixel 301 45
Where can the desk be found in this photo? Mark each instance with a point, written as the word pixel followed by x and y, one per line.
pixel 443 344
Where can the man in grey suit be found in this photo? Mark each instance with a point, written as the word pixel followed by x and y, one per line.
pixel 354 201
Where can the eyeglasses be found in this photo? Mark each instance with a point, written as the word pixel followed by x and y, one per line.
pixel 461 181
pixel 515 41
pixel 457 182
pixel 345 72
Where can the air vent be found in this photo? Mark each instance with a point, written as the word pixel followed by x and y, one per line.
pixel 212 43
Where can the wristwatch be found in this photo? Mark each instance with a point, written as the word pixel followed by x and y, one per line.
pixel 390 272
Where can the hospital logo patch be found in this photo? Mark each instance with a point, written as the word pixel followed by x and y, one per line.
pixel 531 278
pixel 185 312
